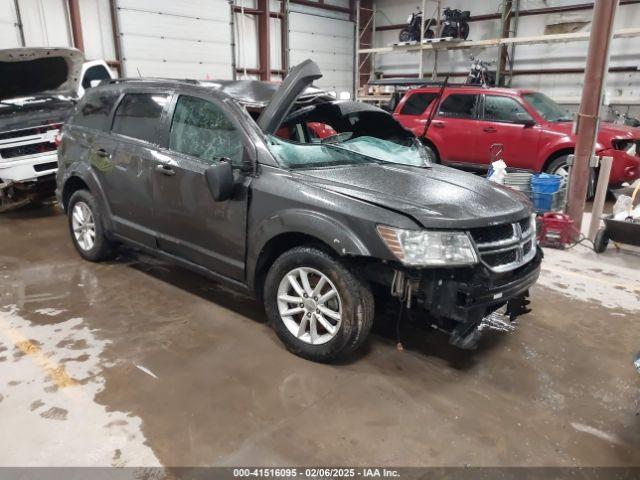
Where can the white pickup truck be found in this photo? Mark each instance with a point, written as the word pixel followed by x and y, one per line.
pixel 39 88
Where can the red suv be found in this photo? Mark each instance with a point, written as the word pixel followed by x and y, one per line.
pixel 534 130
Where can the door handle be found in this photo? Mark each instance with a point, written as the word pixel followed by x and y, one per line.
pixel 489 129
pixel 438 124
pixel 165 170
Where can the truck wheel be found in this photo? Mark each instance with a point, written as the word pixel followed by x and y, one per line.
pixel 85 226
pixel 560 167
pixel 601 241
pixel 431 154
pixel 319 308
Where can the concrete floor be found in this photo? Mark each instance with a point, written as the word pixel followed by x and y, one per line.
pixel 135 362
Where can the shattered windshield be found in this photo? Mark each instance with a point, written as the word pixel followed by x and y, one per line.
pixel 355 151
pixel 547 108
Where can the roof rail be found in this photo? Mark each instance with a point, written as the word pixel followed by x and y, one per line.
pixel 415 82
pixel 151 80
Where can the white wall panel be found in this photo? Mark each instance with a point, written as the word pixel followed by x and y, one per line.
pixel 328 42
pixel 175 38
pixel 97 31
pixel 45 23
pixel 9 33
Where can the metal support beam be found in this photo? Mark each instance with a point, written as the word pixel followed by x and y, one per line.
pixel 76 24
pixel 587 120
pixel 19 23
pixel 601 194
pixel 115 32
pixel 264 39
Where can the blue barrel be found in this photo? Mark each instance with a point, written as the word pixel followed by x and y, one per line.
pixel 543 186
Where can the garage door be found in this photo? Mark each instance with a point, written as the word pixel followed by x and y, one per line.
pixel 327 41
pixel 175 38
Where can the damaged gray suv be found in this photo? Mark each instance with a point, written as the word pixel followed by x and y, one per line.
pixel 308 203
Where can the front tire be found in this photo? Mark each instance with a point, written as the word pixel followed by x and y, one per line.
pixel 319 308
pixel 405 35
pixel 86 227
pixel 560 166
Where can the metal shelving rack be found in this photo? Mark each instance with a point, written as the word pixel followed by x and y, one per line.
pixel 505 44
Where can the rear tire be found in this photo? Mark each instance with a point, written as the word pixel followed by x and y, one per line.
pixel 431 153
pixel 347 313
pixel 86 227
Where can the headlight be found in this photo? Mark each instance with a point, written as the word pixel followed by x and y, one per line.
pixel 628 146
pixel 428 248
pixel 410 18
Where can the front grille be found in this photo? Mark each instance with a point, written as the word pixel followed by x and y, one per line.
pixel 27 132
pixel 28 141
pixel 500 258
pixel 505 247
pixel 30 149
pixel 492 234
pixel 45 166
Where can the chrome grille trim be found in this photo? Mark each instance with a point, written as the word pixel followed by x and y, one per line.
pixel 516 242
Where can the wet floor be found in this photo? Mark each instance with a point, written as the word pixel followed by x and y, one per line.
pixel 135 362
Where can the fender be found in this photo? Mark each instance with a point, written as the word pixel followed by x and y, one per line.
pixel 565 143
pixel 88 176
pixel 330 231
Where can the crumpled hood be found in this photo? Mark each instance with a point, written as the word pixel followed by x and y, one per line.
pixel 438 197
pixel 34 111
pixel 29 71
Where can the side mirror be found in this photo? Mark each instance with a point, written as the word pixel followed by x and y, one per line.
pixel 220 180
pixel 525 119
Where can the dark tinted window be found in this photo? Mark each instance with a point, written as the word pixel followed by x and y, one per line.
pixel 417 103
pixel 138 115
pixel 94 109
pixel 460 105
pixel 97 72
pixel 201 129
pixel 503 109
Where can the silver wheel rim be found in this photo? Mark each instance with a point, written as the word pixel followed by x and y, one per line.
pixel 309 305
pixel 563 171
pixel 84 227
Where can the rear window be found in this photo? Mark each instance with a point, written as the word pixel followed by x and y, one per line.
pixel 138 115
pixel 460 105
pixel 94 109
pixel 417 103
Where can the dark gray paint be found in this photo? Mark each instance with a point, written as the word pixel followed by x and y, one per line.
pixel 175 216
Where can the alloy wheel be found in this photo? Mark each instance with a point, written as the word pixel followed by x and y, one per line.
pixel 84 227
pixel 309 305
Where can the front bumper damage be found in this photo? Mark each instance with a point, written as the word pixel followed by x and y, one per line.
pixel 26 180
pixel 464 302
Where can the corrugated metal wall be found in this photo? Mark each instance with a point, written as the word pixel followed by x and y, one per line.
pixel 327 41
pixel 171 38
pixel 9 32
pixel 188 38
